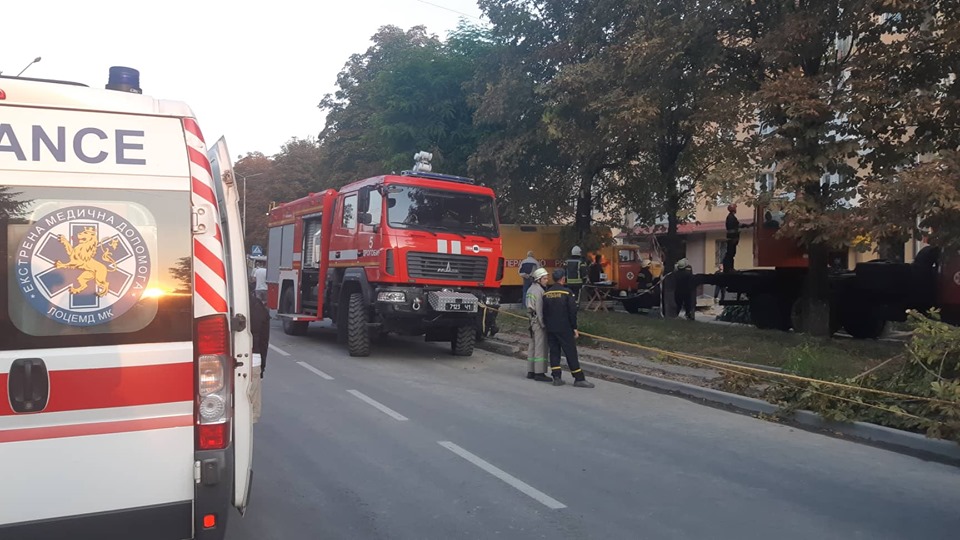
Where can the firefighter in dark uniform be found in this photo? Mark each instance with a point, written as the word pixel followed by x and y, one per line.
pixel 733 227
pixel 560 319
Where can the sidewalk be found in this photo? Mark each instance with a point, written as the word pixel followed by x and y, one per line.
pixel 630 360
pixel 636 367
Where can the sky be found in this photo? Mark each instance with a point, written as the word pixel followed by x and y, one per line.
pixel 252 72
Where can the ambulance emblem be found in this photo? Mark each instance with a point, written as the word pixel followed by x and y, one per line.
pixel 83 265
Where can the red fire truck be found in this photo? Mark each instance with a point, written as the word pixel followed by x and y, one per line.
pixel 413 254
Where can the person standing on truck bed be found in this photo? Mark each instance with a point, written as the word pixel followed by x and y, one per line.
pixel 527 266
pixel 733 227
pixel 537 353
pixel 560 319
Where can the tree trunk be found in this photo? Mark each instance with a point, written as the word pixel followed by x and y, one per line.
pixel 584 210
pixel 671 243
pixel 672 254
pixel 815 301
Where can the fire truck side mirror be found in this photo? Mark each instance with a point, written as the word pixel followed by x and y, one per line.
pixel 365 218
pixel 363 200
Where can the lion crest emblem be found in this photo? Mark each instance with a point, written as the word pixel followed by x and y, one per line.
pixel 82 258
pixel 83 265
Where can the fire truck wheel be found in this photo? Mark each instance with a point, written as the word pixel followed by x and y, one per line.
pixel 291 328
pixel 358 333
pixel 464 341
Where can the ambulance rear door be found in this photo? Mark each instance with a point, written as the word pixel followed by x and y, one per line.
pixel 96 325
pixel 237 288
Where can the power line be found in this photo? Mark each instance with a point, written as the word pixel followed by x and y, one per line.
pixel 438 6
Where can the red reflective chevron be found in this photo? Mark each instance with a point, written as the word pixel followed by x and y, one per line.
pixel 198 158
pixel 207 257
pixel 191 126
pixel 211 296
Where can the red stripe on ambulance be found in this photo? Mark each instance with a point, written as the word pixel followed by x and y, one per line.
pixel 5 409
pixel 79 389
pixel 96 428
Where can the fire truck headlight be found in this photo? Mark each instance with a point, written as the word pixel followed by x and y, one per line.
pixel 392 296
pixel 212 407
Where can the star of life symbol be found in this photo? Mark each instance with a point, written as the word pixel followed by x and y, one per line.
pixel 82 265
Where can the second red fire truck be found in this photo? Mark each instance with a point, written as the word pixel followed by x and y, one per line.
pixel 417 253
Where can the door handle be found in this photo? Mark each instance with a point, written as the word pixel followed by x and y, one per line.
pixel 28 385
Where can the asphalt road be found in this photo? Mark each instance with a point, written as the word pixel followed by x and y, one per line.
pixel 413 443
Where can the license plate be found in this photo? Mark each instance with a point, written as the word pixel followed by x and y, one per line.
pixel 451 306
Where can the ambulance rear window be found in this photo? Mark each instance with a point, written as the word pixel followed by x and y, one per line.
pixel 93 267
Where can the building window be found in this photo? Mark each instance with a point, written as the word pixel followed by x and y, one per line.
pixel 627 255
pixel 766 182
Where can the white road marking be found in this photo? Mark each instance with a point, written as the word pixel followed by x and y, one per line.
pixel 379 406
pixel 315 370
pixel 520 485
pixel 279 350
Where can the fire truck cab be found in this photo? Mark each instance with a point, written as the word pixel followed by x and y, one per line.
pixel 415 254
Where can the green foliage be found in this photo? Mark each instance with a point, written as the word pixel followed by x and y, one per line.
pixel 931 372
pixel 735 314
pixel 404 94
pixel 10 205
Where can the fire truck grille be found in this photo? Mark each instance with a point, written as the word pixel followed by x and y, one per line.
pixel 446 267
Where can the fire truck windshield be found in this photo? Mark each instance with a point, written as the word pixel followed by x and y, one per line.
pixel 411 207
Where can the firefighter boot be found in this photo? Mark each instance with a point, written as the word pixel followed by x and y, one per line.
pixel 583 383
pixel 557 381
pixel 542 378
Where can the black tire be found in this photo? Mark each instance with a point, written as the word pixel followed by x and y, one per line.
pixel 358 333
pixel 291 328
pixel 464 341
pixel 863 324
pixel 631 306
pixel 769 312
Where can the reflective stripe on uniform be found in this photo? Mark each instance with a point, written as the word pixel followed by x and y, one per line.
pixel 558 367
pixel 577 371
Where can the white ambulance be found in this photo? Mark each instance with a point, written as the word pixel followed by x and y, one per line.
pixel 125 357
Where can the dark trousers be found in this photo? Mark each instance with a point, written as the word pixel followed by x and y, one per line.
pixel 730 255
pixel 684 300
pixel 565 342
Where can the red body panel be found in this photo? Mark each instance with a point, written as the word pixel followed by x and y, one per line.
pixel 367 246
pixel 949 290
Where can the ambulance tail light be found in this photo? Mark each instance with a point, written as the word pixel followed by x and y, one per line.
pixel 213 407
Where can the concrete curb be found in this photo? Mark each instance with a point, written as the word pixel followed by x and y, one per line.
pixel 895 439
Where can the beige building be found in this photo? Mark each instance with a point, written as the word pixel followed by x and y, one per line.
pixel 704 241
